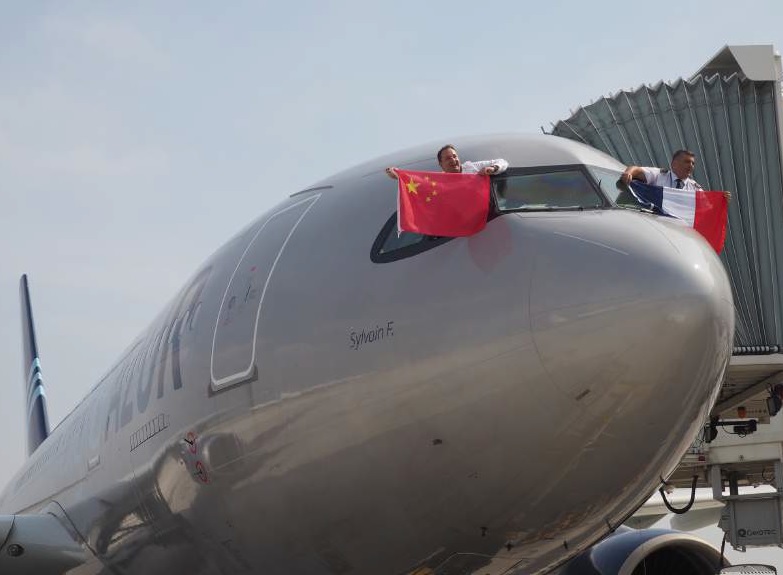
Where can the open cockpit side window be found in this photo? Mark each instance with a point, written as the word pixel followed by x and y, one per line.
pixel 611 185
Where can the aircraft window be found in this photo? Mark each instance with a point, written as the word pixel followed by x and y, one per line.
pixel 563 189
pixel 616 191
pixel 389 246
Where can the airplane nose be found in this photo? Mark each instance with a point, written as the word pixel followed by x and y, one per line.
pixel 629 311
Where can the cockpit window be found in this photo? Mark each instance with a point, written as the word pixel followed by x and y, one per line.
pixel 609 181
pixel 545 190
pixel 549 188
pixel 390 246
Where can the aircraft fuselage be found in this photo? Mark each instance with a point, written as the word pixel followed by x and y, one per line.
pixel 312 403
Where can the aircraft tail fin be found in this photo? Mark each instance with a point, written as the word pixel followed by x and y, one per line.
pixel 37 418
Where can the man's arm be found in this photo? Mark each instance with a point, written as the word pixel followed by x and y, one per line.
pixel 501 164
pixel 490 167
pixel 633 173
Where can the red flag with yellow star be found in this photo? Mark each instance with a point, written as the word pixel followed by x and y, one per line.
pixel 442 204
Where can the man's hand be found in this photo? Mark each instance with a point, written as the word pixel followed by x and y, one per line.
pixel 632 173
pixel 727 195
pixel 488 170
pixel 392 173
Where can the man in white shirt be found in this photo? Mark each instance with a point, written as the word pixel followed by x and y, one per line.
pixel 679 177
pixel 449 162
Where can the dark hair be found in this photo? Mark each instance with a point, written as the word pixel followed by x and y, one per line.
pixel 443 149
pixel 679 153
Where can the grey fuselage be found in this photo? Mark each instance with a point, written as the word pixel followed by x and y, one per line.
pixel 494 403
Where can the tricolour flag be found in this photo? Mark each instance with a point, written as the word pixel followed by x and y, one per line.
pixel 442 204
pixel 705 211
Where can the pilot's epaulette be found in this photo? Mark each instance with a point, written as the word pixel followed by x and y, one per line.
pixel 665 171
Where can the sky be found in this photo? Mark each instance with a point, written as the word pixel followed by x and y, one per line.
pixel 136 138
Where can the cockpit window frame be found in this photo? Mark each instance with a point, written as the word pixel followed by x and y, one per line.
pixel 425 244
pixel 531 171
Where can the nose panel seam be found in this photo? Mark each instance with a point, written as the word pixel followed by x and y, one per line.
pixel 599 244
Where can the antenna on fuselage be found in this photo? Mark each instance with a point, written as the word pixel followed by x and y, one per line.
pixel 37 419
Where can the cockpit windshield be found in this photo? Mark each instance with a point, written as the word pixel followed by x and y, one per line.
pixel 546 190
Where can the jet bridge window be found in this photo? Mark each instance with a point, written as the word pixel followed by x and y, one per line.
pixel 390 246
pixel 549 189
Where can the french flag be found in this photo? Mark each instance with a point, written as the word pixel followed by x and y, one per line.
pixel 704 211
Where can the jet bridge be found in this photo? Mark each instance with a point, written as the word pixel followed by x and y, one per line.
pixel 730 113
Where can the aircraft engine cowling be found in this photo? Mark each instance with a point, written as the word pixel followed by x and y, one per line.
pixel 647 551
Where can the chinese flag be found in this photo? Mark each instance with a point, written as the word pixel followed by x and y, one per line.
pixel 442 204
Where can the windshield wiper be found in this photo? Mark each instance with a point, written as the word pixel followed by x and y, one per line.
pixel 647 209
pixel 553 208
